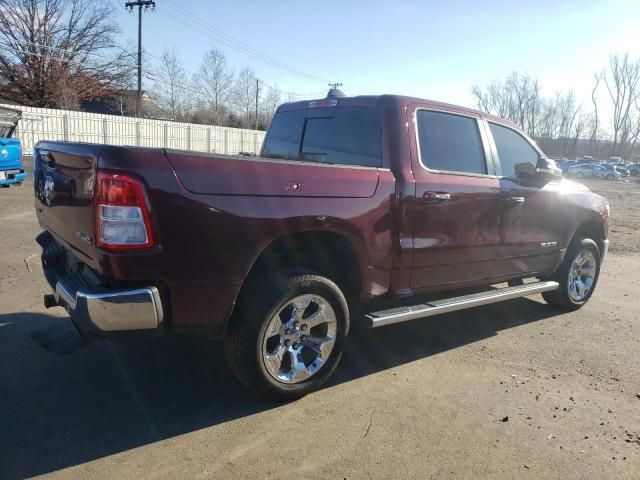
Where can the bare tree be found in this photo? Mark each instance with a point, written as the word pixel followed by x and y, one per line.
pixel 58 52
pixel 245 95
pixel 579 129
pixel 270 104
pixel 516 99
pixel 214 81
pixel 622 82
pixel 594 139
pixel 171 89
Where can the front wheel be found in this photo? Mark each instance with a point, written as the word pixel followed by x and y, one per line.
pixel 577 276
pixel 579 175
pixel 286 338
pixel 611 176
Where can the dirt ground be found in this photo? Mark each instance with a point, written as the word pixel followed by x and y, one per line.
pixel 624 199
pixel 509 390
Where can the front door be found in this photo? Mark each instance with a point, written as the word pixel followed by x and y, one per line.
pixel 457 202
pixel 533 217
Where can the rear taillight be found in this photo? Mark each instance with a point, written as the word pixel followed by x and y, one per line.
pixel 123 220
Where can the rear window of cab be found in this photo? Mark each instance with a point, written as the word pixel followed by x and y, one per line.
pixel 338 135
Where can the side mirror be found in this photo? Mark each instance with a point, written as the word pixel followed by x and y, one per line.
pixel 547 170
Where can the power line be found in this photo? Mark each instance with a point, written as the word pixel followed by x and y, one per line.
pixel 149 73
pixel 215 33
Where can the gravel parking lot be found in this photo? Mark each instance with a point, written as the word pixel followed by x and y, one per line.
pixel 508 390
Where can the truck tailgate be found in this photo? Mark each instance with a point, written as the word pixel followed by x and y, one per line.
pixel 64 181
pixel 235 175
pixel 10 153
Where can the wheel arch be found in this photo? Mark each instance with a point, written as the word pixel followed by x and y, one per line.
pixel 590 229
pixel 327 253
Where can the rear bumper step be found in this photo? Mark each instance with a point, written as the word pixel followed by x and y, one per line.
pixel 97 309
pixel 437 307
pixel 111 311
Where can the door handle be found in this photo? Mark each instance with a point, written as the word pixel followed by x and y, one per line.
pixel 515 199
pixel 437 196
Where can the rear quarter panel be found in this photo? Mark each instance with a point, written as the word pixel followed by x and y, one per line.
pixel 209 242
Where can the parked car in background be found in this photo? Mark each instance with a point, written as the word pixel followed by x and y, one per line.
pixel 621 169
pixel 616 160
pixel 11 172
pixel 565 164
pixel 590 170
pixel 634 169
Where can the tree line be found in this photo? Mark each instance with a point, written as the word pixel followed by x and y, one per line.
pixel 564 126
pixel 64 53
pixel 214 94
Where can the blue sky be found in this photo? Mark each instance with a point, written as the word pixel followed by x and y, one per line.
pixel 424 48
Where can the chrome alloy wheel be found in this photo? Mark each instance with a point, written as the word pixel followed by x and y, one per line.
pixel 299 338
pixel 582 273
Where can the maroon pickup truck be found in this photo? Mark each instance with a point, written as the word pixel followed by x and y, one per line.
pixel 371 209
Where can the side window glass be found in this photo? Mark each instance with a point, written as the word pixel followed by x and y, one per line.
pixel 450 142
pixel 283 140
pixel 517 157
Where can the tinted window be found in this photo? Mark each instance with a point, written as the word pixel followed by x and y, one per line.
pixel 517 156
pixel 450 142
pixel 348 135
pixel 283 140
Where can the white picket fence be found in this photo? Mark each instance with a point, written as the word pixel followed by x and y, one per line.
pixel 51 124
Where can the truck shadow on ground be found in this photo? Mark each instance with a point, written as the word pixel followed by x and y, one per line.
pixel 66 402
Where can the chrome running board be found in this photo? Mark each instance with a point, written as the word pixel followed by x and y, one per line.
pixel 445 305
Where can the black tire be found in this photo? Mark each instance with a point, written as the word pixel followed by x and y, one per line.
pixel 260 301
pixel 611 176
pixel 634 172
pixel 561 297
pixel 579 175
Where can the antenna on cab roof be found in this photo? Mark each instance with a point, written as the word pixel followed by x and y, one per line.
pixel 335 92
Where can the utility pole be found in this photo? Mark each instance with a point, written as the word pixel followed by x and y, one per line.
pixel 257 96
pixel 130 6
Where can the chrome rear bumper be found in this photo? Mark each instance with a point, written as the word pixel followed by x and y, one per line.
pixel 113 310
pixel 92 306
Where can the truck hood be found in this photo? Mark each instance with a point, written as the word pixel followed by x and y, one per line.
pixel 9 119
pixel 571 186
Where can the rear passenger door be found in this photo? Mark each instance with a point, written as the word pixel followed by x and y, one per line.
pixel 533 217
pixel 457 201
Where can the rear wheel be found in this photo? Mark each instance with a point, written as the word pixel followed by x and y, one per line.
pixel 579 175
pixel 635 172
pixel 577 276
pixel 611 176
pixel 286 338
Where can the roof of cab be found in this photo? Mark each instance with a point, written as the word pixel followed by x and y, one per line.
pixel 400 100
